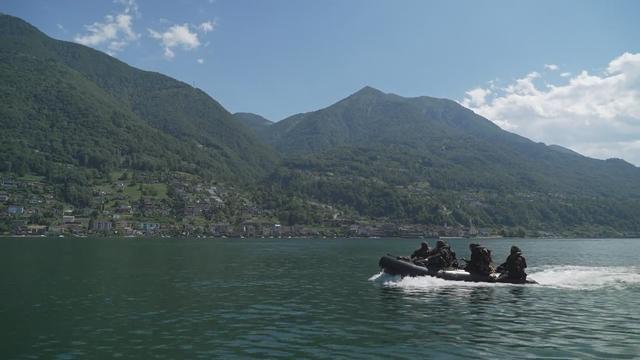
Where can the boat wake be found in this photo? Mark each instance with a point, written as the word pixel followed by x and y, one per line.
pixel 422 282
pixel 563 277
pixel 586 277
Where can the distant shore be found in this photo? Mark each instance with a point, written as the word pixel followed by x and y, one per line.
pixel 99 236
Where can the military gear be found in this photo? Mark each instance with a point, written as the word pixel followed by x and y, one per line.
pixel 442 258
pixel 514 267
pixel 481 262
pixel 423 252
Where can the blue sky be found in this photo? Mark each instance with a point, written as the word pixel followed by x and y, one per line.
pixel 278 58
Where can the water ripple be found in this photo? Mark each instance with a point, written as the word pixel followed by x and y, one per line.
pixel 237 299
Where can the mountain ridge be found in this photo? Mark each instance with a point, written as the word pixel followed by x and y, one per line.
pixel 168 105
pixel 258 124
pixel 384 155
pixel 427 127
pixel 77 117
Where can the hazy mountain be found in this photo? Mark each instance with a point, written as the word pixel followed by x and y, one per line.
pixel 62 101
pixel 372 117
pixel 563 149
pixel 386 155
pixel 254 122
pixel 432 138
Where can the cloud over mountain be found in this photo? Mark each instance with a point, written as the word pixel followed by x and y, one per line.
pixel 594 114
pixel 183 36
pixel 176 36
pixel 116 31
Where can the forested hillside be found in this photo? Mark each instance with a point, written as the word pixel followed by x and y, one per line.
pixel 112 114
pixel 430 160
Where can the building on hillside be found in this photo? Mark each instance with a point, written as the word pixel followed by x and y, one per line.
pixel 4 197
pixel 15 210
pixel 56 229
pixel 68 219
pixel 150 228
pixel 149 207
pixel 124 228
pixel 221 229
pixel 102 226
pixel 197 209
pixel 123 209
pixel 9 184
pixel 37 229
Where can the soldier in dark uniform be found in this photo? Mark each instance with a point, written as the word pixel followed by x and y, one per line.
pixel 513 268
pixel 441 258
pixel 480 262
pixel 422 253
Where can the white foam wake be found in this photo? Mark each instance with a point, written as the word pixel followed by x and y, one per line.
pixel 423 282
pixel 586 277
pixel 564 276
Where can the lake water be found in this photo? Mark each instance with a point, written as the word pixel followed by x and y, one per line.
pixel 309 298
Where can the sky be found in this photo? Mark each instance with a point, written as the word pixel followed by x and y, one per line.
pixel 560 72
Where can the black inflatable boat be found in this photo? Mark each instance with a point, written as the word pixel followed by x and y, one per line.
pixel 394 266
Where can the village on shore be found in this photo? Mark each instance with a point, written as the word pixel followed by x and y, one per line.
pixel 181 205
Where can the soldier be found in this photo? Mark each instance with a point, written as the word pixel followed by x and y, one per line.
pixel 481 262
pixel 442 258
pixel 423 252
pixel 513 268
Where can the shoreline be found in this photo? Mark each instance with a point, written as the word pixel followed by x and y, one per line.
pixel 448 238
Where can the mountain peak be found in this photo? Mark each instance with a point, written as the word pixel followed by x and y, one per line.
pixel 368 90
pixel 252 120
pixel 620 162
pixel 13 26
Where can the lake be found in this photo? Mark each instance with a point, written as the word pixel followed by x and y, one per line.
pixel 67 298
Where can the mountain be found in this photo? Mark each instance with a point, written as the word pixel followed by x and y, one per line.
pixel 443 135
pixel 563 149
pixel 370 116
pixel 67 103
pixel 254 122
pixel 77 119
pixel 385 155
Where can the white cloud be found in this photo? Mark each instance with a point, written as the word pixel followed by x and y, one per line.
pixel 176 36
pixel 523 86
pixel 207 26
pixel 168 53
pixel 116 31
pixel 477 96
pixel 200 61
pixel 552 67
pixel 565 74
pixel 595 114
pixel 130 6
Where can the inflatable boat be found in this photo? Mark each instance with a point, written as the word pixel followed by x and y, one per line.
pixel 395 266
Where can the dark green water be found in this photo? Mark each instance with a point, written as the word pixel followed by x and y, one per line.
pixel 310 298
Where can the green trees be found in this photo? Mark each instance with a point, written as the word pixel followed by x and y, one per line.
pixel 69 104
